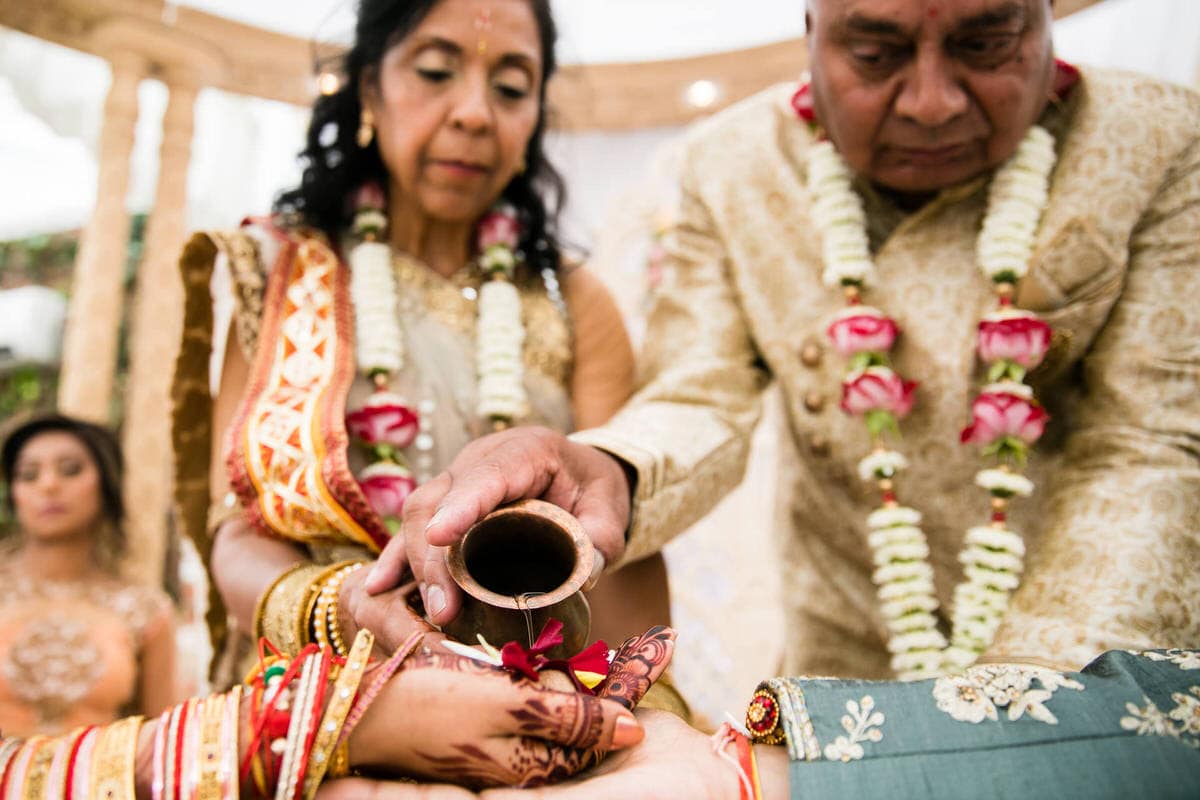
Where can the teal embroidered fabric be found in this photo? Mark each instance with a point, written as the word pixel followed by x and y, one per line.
pixel 1128 725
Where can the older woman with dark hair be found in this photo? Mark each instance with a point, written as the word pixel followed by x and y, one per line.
pixel 78 645
pixel 409 296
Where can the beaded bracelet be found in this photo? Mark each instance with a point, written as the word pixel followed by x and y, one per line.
pixel 324 626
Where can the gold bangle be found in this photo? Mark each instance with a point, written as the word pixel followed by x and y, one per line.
pixel 339 763
pixel 218 744
pixel 8 751
pixel 222 512
pixel 282 613
pixel 340 702
pixel 38 773
pixel 113 760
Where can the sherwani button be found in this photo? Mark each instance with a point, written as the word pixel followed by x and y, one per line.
pixel 814 401
pixel 819 445
pixel 810 354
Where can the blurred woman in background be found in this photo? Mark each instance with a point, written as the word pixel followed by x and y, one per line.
pixel 78 645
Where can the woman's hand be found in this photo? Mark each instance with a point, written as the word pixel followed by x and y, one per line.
pixel 369 789
pixel 674 761
pixel 489 472
pixel 445 717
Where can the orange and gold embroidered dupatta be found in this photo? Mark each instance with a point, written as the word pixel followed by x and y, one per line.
pixel 287 456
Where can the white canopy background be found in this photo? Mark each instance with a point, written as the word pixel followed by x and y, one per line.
pixel 51 102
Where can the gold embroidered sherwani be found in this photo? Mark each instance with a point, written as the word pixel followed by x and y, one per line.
pixel 1113 529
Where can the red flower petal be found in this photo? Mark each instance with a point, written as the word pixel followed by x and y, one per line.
pixel 518 659
pixel 802 103
pixel 594 658
pixel 550 636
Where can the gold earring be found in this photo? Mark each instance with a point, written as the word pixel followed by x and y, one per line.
pixel 366 128
pixel 521 166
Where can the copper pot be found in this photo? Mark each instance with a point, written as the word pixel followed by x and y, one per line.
pixel 519 566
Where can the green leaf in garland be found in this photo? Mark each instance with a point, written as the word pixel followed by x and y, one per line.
pixel 382 451
pixel 879 422
pixel 1008 448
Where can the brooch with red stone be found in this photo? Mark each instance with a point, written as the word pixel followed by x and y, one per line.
pixel 762 718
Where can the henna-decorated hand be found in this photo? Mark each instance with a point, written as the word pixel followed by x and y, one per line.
pixel 368 789
pixel 449 718
pixel 674 761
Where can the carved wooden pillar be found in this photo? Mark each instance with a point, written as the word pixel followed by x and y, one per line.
pixel 154 339
pixel 94 313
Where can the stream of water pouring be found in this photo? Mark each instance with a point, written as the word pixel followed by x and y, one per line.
pixel 522 601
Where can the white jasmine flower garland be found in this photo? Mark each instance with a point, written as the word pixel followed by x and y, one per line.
pixel 499 332
pixel 500 339
pixel 378 342
pixel 386 425
pixel 992 557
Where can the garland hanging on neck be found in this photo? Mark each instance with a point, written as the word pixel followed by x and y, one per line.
pixel 387 424
pixel 1006 419
pixel 499 333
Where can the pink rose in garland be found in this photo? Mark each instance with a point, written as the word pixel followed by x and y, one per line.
pixel 879 395
pixel 499 227
pixel 1012 342
pixel 384 420
pixel 877 389
pixel 1005 424
pixel 386 486
pixel 862 329
pixel 369 195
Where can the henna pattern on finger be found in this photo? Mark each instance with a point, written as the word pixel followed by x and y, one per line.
pixel 575 722
pixel 637 665
pixel 436 658
pixel 533 762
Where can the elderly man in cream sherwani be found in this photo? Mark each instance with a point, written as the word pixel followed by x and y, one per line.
pixel 923 110
pixel 941 176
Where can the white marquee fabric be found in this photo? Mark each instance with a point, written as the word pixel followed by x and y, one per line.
pixel 51 100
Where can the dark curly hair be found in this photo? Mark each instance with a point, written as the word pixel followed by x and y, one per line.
pixel 334 165
pixel 104 449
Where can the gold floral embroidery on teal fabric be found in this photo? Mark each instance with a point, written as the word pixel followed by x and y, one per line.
pixel 978 693
pixel 1182 722
pixel 861 725
pixel 1184 659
